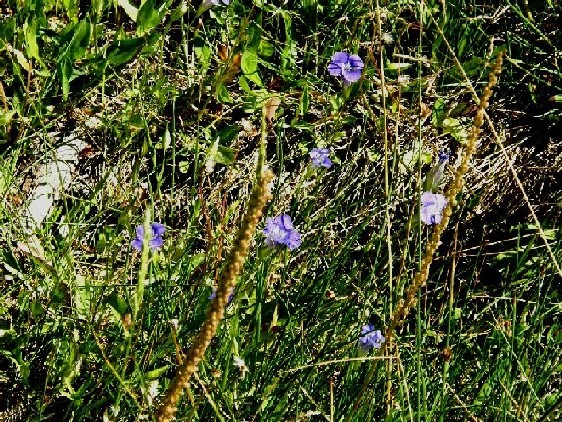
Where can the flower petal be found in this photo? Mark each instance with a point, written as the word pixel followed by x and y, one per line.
pixel 137 244
pixel 293 240
pixel 352 75
pixel 356 62
pixel 140 232
pixel 326 162
pixel 158 229
pixel 156 242
pixel 335 69
pixel 286 222
pixel 441 201
pixel 427 199
pixel 340 57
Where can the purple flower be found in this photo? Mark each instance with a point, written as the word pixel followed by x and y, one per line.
pixel 443 156
pixel 347 65
pixel 432 205
pixel 370 338
pixel 156 241
pixel 320 157
pixel 280 231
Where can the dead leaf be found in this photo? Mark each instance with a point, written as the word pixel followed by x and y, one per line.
pixel 271 107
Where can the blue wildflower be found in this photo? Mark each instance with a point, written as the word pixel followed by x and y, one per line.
pixel 320 157
pixel 155 242
pixel 347 65
pixel 370 338
pixel 443 156
pixel 280 231
pixel 432 205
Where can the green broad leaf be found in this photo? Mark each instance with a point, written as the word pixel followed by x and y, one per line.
pixel 456 129
pixel 203 54
pixel 249 62
pixel 7 29
pixel 255 78
pixel 222 94
pixel 148 17
pixel 22 61
pixel 411 157
pixel 72 9
pixel 123 51
pixel 224 155
pixel 80 41
pixel 36 309
pixel 129 9
pixel 228 133
pixel 6 117
pixel 244 85
pixel 439 112
pixel 179 11
pixel 82 296
pixel 266 49
pixel 117 303
pixel 165 141
pixel 197 259
pixel 96 7
pixel 30 33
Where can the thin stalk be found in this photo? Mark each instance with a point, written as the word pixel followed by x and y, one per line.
pixel 235 262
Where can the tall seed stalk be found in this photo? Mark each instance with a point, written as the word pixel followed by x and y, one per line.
pixel 420 278
pixel 235 261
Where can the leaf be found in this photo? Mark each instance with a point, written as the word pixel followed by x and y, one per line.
pixel 122 51
pixel 439 112
pixel 266 49
pixel 147 17
pixel 6 117
pixel 30 33
pixel 228 133
pixel 117 303
pixel 183 166
pixel 82 296
pixel 304 101
pixel 456 129
pixel 72 8
pixel 222 94
pixel 65 70
pixel 270 107
pixel 129 9
pixel 397 66
pixel 23 62
pixel 80 41
pixel 179 11
pixel 249 62
pixel 243 82
pixel 224 155
pixel 156 373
